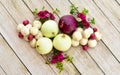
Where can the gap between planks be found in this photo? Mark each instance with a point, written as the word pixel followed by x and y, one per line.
pixel 113 20
pixel 27 57
pixel 118 2
pixel 64 11
pixel 5 60
pixel 2 71
pixel 102 40
pixel 44 56
pixel 112 47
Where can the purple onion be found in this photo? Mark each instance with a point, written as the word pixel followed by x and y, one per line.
pixel 67 24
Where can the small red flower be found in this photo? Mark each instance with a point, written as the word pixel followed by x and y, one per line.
pixel 81 16
pixel 58 58
pixel 52 17
pixel 53 61
pixel 85 23
pixel 42 14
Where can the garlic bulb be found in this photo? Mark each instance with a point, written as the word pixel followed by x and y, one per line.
pixel 25 31
pixel 92 43
pixel 28 26
pixel 37 24
pixel 77 36
pixel 98 36
pixel 34 30
pixel 33 43
pixel 26 38
pixel 75 43
pixel 79 29
pixel 87 32
pixel 39 35
pixel 83 41
pixel 90 30
pixel 19 27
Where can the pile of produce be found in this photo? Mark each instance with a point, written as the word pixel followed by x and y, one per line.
pixel 54 38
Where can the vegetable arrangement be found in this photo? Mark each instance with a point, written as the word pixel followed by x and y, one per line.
pixel 53 39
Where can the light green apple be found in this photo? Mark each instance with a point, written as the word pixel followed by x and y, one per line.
pixel 50 29
pixel 62 42
pixel 44 45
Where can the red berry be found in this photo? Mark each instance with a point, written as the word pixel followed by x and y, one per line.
pixel 25 22
pixel 20 35
pixel 95 29
pixel 92 36
pixel 85 47
pixel 30 37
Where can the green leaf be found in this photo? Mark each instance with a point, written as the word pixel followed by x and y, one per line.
pixel 73 9
pixel 92 21
pixel 47 62
pixel 55 52
pixel 80 25
pixel 69 59
pixel 43 20
pixel 60 67
pixel 56 11
pixel 85 11
pixel 35 11
pixel 43 8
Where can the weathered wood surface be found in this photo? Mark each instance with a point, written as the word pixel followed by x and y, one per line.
pixel 18 58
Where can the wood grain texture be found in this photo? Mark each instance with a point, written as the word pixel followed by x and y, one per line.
pixel 118 1
pixel 107 29
pixel 33 61
pixel 2 72
pixel 9 61
pixel 69 68
pixel 18 58
pixel 98 52
pixel 111 10
pixel 81 59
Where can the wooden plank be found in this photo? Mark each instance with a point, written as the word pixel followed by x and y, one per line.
pixel 110 35
pixel 118 1
pixel 69 68
pixel 101 54
pixel 2 71
pixel 31 59
pixel 81 59
pixel 96 53
pixel 9 61
pixel 111 10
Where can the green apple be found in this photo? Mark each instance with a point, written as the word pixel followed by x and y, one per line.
pixel 44 45
pixel 62 42
pixel 50 29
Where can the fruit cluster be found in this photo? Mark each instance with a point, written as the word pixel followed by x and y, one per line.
pixel 45 34
pixel 29 32
pixel 87 37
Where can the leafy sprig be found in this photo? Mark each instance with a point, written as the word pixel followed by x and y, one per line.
pixel 69 59
pixel 56 11
pixel 85 11
pixel 35 11
pixel 43 8
pixel 73 9
pixel 92 21
pixel 60 67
